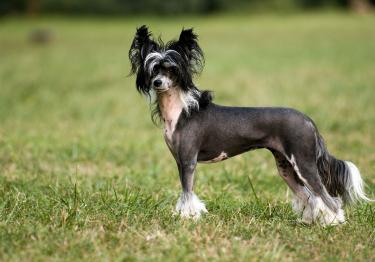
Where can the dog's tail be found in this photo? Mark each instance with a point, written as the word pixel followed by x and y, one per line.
pixel 341 178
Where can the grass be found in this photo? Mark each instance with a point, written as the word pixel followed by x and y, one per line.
pixel 85 175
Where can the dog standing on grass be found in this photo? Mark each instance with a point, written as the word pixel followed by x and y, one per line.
pixel 199 131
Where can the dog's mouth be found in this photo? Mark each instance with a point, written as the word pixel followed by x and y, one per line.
pixel 160 89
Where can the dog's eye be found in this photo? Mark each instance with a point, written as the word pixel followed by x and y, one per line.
pixel 170 70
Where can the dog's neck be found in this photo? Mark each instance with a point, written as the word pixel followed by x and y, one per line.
pixel 170 106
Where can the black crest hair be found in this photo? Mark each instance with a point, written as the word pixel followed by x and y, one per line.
pixel 188 57
pixel 183 54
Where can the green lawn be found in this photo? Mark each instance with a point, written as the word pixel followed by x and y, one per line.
pixel 69 104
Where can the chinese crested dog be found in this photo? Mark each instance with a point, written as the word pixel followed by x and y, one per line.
pixel 199 131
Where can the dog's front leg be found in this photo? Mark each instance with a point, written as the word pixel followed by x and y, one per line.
pixel 188 204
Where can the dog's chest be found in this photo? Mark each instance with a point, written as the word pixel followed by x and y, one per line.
pixel 171 107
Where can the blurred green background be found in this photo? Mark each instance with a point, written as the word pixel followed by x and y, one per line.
pixel 174 7
pixel 66 102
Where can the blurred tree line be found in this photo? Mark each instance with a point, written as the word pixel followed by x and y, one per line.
pixel 170 7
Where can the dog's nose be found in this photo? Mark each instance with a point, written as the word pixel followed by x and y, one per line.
pixel 157 83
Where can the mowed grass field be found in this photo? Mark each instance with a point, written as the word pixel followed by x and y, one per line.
pixel 86 176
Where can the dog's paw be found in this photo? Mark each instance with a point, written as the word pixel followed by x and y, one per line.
pixel 189 206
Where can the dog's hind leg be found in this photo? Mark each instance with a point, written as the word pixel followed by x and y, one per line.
pixel 311 198
pixel 327 208
pixel 303 202
pixel 188 204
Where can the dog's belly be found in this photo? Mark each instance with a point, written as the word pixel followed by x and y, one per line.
pixel 221 157
pixel 207 158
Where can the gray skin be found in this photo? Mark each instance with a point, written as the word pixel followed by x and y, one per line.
pixel 287 133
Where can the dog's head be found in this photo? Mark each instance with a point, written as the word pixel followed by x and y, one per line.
pixel 160 66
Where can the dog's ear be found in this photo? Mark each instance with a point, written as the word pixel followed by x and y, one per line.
pixel 188 40
pixel 187 45
pixel 142 45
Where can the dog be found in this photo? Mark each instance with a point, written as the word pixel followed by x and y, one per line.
pixel 198 131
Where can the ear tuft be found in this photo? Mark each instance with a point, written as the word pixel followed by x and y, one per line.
pixel 187 46
pixel 142 45
pixel 189 39
pixel 141 38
